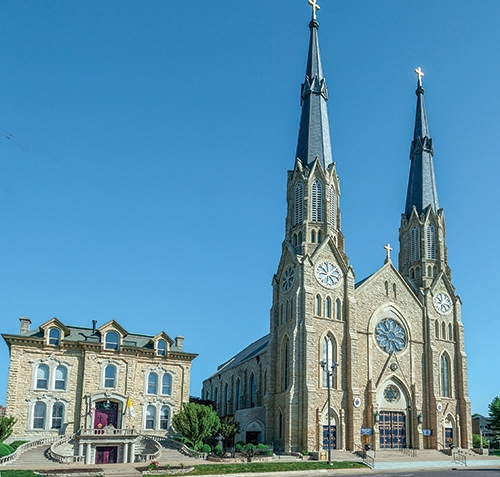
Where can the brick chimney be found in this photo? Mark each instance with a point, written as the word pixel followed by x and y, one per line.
pixel 178 341
pixel 25 324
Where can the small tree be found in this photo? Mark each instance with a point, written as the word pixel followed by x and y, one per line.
pixel 476 441
pixel 6 426
pixel 228 429
pixel 494 408
pixel 195 423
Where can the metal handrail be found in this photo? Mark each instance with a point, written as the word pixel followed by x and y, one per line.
pixel 367 459
pixel 460 457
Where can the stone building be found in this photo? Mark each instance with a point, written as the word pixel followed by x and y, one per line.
pixel 99 390
pixel 388 350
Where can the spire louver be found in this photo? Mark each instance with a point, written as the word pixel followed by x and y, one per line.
pixel 422 190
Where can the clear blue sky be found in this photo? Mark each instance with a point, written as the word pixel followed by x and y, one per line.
pixel 158 135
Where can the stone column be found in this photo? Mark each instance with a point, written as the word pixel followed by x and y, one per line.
pixel 125 453
pixel 88 453
pixel 80 449
pixel 132 453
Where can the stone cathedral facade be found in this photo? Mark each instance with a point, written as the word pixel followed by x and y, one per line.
pixel 391 345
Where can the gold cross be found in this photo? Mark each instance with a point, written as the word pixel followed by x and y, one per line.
pixel 420 73
pixel 314 6
pixel 388 251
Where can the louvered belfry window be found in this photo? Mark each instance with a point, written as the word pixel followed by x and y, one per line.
pixel 414 244
pixel 431 242
pixel 332 218
pixel 316 201
pixel 298 213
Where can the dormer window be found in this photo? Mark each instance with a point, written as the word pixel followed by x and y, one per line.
pixel 161 348
pixel 54 336
pixel 112 340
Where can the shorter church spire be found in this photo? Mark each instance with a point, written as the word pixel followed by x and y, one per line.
pixel 422 190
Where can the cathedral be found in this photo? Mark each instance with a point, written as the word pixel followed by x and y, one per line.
pixel 378 362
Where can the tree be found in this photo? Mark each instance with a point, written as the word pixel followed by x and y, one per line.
pixel 494 408
pixel 195 423
pixel 228 429
pixel 6 426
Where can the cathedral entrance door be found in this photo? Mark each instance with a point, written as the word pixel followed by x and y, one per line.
pixel 392 427
pixel 448 436
pixel 106 455
pixel 333 437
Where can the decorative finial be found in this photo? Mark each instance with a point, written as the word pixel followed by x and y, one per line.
pixel 388 250
pixel 419 73
pixel 315 7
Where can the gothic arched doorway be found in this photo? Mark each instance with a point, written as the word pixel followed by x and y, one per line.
pixel 392 416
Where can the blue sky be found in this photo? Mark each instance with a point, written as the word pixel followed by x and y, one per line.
pixel 156 136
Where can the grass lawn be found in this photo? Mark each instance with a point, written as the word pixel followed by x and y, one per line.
pixel 211 469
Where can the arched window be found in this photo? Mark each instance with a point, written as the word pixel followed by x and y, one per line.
pixel 412 273
pixel 161 348
pixel 112 340
pixel 443 330
pixel 282 314
pixel 328 307
pixel 166 384
pixel 164 417
pixel 299 240
pixel 431 241
pixel 54 336
pixel 317 201
pixel 437 329
pixel 285 364
pixel 39 414
pixel 313 236
pixel 152 383
pixel 414 244
pixel 226 399
pixel 328 357
pixel 42 377
pixel 386 284
pixel 57 415
pixel 450 331
pixel 429 271
pixel 319 236
pixel 252 390
pixel 445 376
pixel 333 206
pixel 280 425
pixel 150 417
pixel 237 396
pixel 338 309
pixel 417 272
pixel 298 213
pixel 60 378
pixel 434 271
pixel 110 376
pixel 294 240
pixel 317 305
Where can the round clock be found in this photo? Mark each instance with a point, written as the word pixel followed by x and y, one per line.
pixel 287 278
pixel 327 274
pixel 442 303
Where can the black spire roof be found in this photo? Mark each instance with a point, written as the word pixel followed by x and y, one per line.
pixel 422 190
pixel 314 130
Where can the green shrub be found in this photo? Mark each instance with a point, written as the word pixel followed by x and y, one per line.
pixel 16 444
pixel 5 449
pixel 261 446
pixel 206 448
pixel 239 447
pixel 218 450
pixel 304 452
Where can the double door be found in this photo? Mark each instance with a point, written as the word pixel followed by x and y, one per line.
pixel 392 428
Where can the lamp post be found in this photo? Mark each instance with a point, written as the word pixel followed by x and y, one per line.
pixel 330 372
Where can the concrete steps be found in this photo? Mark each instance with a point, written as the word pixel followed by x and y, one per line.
pixel 37 456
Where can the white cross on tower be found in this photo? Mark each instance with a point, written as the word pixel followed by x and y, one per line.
pixel 388 250
pixel 315 7
pixel 419 73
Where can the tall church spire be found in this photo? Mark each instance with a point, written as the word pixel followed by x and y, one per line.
pixel 314 130
pixel 422 191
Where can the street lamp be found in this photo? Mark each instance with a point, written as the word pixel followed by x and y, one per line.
pixel 330 373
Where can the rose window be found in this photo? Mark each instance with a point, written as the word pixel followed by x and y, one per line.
pixel 390 336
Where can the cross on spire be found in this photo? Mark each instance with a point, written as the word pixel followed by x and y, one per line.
pixel 315 7
pixel 419 73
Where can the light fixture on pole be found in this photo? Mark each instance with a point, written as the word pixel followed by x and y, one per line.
pixel 330 371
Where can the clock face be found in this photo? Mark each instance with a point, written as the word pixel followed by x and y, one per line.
pixel 287 278
pixel 327 274
pixel 442 303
